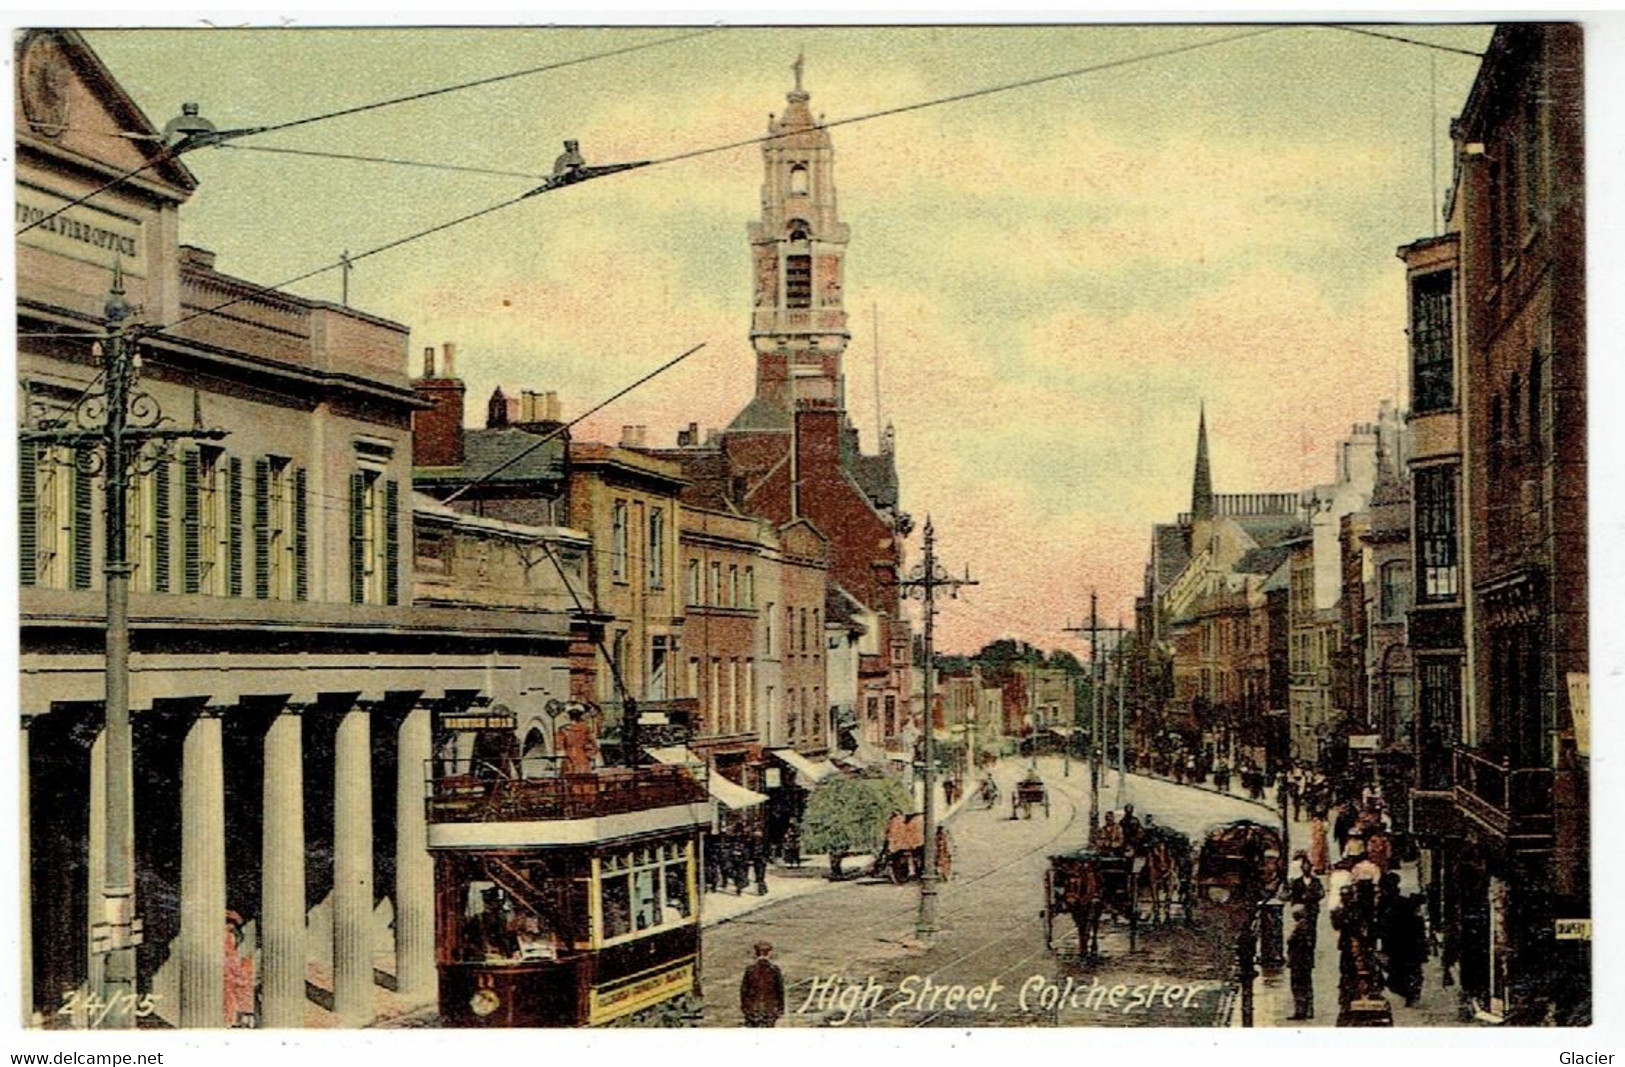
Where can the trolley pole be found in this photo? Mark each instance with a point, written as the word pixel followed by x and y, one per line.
pixel 924 582
pixel 1121 765
pixel 1099 747
pixel 132 419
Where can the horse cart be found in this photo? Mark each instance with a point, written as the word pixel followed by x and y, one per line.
pixel 1085 885
pixel 1030 793
pixel 1240 862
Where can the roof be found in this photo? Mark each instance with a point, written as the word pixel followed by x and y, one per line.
pixel 1269 530
pixel 1280 578
pixel 1172 547
pixel 841 607
pixel 1262 560
pixel 761 414
pixel 486 450
pixel 876 476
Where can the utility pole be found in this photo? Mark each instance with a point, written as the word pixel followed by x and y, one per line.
pixel 1098 747
pixel 924 581
pixel 1121 769
pixel 132 419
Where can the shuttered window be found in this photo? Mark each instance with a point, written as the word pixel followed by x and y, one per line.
pixel 160 526
pixel 28 517
pixel 358 538
pixel 81 516
pixel 301 538
pixel 191 521
pixel 392 547
pixel 234 535
pixel 262 528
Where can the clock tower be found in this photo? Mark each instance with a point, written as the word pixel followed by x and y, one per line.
pixel 798 325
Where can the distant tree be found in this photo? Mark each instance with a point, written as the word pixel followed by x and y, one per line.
pixel 1066 661
pixel 847 816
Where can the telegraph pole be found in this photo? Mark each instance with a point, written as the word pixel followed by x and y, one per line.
pixel 1098 748
pixel 924 582
pixel 133 418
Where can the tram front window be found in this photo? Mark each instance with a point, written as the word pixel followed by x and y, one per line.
pixel 676 878
pixel 496 927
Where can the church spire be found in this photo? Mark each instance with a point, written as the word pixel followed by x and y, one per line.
pixel 1202 482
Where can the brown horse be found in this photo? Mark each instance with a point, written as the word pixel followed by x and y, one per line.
pixel 1162 876
pixel 1081 897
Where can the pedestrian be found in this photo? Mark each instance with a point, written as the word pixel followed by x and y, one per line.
pixel 758 863
pixel 739 856
pixel 713 863
pixel 761 991
pixel 945 855
pixel 1305 892
pixel 1319 853
pixel 239 975
pixel 1133 832
pixel 792 845
pixel 1342 827
pixel 1300 962
pixel 578 742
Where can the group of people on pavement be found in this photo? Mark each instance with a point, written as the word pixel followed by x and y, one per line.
pixel 1382 934
pixel 732 857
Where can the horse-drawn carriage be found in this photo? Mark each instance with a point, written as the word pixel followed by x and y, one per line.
pixel 1030 793
pixel 1138 885
pixel 902 856
pixel 1240 861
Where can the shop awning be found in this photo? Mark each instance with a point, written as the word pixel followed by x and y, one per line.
pixel 1061 731
pixel 679 755
pixel 811 772
pixel 732 794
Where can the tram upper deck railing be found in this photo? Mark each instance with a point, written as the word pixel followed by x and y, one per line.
pixel 535 790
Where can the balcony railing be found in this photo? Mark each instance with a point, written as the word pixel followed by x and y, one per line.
pixel 534 790
pixel 1516 802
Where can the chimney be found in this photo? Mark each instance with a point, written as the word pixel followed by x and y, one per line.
pixel 437 433
pixel 633 436
pixel 527 406
pixel 496 411
pixel 450 369
pixel 550 407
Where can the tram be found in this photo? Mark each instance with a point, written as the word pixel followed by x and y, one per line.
pixel 565 899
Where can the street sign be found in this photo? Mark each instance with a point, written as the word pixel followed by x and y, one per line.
pixel 482 720
pixel 1571 929
pixel 1364 742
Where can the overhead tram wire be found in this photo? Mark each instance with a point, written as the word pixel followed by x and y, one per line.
pixel 766 138
pixel 1363 31
pixel 173 151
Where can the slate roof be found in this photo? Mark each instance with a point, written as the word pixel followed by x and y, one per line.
pixel 1262 560
pixel 1269 530
pixel 486 450
pixel 1173 551
pixel 761 414
pixel 876 476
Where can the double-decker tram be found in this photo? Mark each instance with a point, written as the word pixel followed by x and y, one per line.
pixel 565 899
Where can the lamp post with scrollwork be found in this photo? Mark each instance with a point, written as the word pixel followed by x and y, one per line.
pixel 109 428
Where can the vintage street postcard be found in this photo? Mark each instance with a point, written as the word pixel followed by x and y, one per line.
pixel 710 526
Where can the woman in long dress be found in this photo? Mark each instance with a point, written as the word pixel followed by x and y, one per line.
pixel 1319 856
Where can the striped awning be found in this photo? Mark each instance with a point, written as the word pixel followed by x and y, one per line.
pixel 811 772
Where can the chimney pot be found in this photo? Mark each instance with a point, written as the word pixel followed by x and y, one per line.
pixel 550 407
pixel 450 350
pixel 428 362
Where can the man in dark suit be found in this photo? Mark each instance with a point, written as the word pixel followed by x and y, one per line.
pixel 761 993
pixel 1300 962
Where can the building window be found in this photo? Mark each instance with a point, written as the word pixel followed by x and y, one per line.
pixel 617 545
pixel 716 583
pixel 1439 687
pixel 374 535
pixel 56 518
pixel 1514 412
pixel 1396 590
pixel 748 694
pixel 694 591
pixel 803 629
pixel 767 617
pixel 1433 386
pixel 750 587
pixel 1436 533
pixel 657 548
pixel 736 701
pixel 617 667
pixel 798 281
pixel 281 535
pixel 693 676
pixel 733 587
pixel 1536 430
pixel 205 530
pixel 798 179
pixel 659 648
pixel 713 695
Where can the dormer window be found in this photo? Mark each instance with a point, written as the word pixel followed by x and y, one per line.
pixel 798 179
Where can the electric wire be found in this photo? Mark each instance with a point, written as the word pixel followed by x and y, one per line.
pixel 352 157
pixel 1405 40
pixel 171 152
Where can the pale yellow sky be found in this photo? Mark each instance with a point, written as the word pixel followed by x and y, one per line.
pixel 1062 273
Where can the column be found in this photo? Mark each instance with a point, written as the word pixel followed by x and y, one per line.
pixel 352 868
pixel 414 868
pixel 203 874
pixel 25 875
pixel 282 872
